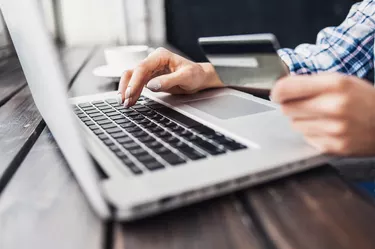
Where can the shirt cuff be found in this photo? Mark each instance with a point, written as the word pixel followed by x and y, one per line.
pixel 286 57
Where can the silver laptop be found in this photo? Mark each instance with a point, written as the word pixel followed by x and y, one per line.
pixel 166 151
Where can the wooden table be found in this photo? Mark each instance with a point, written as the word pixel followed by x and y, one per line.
pixel 41 205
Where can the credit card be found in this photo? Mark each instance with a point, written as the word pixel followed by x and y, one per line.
pixel 248 62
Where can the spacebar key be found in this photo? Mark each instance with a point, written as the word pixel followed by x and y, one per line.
pixel 178 117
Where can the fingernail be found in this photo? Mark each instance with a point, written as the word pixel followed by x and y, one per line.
pixel 128 92
pixel 127 102
pixel 119 98
pixel 154 85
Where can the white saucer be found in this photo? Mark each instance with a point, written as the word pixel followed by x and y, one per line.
pixel 109 71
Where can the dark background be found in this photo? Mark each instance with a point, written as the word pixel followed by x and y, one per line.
pixel 292 21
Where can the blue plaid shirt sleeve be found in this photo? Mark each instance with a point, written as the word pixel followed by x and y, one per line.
pixel 347 48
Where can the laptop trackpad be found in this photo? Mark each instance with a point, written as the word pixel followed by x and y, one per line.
pixel 228 106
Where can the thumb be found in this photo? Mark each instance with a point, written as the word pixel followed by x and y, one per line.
pixel 167 81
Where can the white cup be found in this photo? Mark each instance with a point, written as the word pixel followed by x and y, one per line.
pixel 126 57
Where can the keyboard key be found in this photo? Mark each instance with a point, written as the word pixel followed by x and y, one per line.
pixel 126 111
pixel 108 110
pixel 122 121
pixel 121 154
pixel 113 130
pixel 114 148
pixel 235 146
pixel 88 123
pixel 140 134
pixel 143 109
pixel 161 150
pixel 191 153
pixel 85 119
pixel 156 129
pixel 132 129
pixel 92 111
pixel 98 132
pixel 104 107
pixel 116 117
pixel 144 122
pixel 172 159
pixel 169 124
pixel 153 165
pixel 113 113
pixel 127 125
pixel 214 136
pixel 137 118
pixel 108 126
pixel 130 146
pixel 162 134
pixel 108 142
pixel 171 140
pixel 203 130
pixel 209 147
pixel 103 137
pixel 93 127
pixel 104 122
pixel 138 152
pixel 83 105
pixel 122 140
pixel 146 139
pixel 153 145
pixel 118 135
pixel 178 117
pixel 137 106
pixel 154 105
pixel 100 118
pixel 133 168
pixel 92 115
pixel 145 158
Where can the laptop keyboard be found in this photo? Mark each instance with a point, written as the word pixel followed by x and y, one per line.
pixel 150 136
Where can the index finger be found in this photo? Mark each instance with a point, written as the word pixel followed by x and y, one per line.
pixel 152 66
pixel 301 87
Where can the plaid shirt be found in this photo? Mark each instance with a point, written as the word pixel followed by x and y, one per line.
pixel 348 48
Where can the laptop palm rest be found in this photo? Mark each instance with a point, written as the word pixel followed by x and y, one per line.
pixel 228 106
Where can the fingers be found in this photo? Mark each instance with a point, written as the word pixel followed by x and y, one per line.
pixel 155 64
pixel 124 81
pixel 299 87
pixel 321 127
pixel 163 83
pixel 326 105
pixel 331 145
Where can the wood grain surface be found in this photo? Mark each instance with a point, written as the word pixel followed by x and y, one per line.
pixel 218 223
pixel 43 207
pixel 313 210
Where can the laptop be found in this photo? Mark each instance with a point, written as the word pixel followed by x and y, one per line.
pixel 166 151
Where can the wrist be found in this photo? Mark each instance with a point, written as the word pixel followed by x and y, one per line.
pixel 212 79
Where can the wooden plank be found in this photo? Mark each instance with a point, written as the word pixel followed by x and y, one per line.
pixel 212 224
pixel 21 123
pixel 315 209
pixel 12 79
pixel 43 207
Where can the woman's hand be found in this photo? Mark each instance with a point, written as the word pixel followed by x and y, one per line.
pixel 335 113
pixel 165 71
